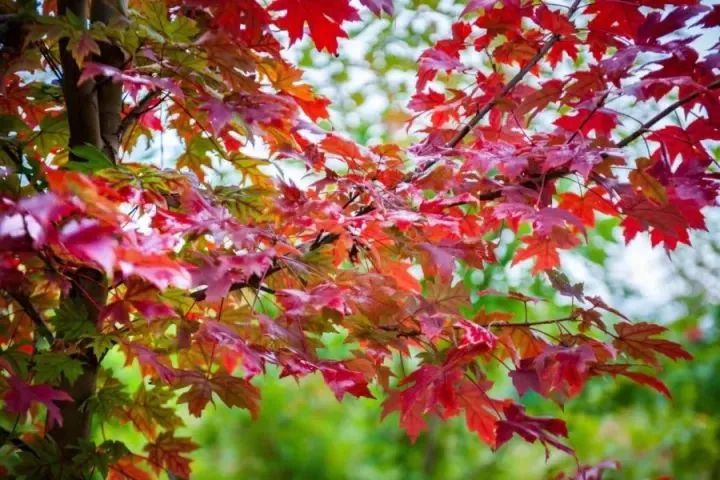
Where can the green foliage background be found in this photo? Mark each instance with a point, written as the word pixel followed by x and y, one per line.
pixel 304 433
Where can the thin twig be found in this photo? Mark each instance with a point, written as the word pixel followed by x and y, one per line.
pixel 143 106
pixel 645 127
pixel 599 104
pixel 201 294
pixel 480 114
pixel 50 59
pixel 17 442
pixel 16 157
pixel 509 86
pixel 30 311
pixel 532 324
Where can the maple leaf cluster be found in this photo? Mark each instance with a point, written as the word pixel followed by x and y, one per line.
pixel 205 285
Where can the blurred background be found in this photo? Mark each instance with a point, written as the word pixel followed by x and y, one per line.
pixel 304 433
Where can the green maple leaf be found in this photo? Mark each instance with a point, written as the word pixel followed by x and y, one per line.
pixel 53 132
pixel 93 158
pixel 50 367
pixel 110 397
pixel 71 321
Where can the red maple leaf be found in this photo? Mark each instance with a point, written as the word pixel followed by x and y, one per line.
pixel 586 121
pixel 127 469
pixel 220 273
pixel 657 25
pixel 637 377
pixel 566 45
pixel 432 389
pixel 553 21
pixel 21 396
pixel 444 56
pixel 234 346
pixel 244 18
pixel 324 20
pixel 544 249
pixel 167 452
pixel 615 17
pixel 475 341
pixel 481 412
pixel 233 391
pixel 157 268
pixel 532 429
pixel 668 224
pixel 635 339
pixel 150 362
pixel 585 206
pixel 687 142
pixel 342 380
pixel 90 241
pixel 298 302
pixel 557 370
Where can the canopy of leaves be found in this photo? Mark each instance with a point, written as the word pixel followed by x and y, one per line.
pixel 206 281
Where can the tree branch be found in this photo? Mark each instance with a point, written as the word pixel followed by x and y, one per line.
pixel 480 114
pixel 8 436
pixel 143 106
pixel 532 324
pixel 50 59
pixel 16 156
pixel 30 311
pixel 417 333
pixel 81 101
pixel 645 127
pixel 109 93
pixel 508 87
pixel 200 295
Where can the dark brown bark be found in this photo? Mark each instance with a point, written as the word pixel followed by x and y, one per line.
pixel 93 110
pixel 94 107
pixel 81 100
pixel 90 290
pixel 109 93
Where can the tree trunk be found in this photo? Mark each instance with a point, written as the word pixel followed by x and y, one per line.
pixel 93 112
pixel 90 290
pixel 80 100
pixel 109 93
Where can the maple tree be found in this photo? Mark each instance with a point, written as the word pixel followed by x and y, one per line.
pixel 203 285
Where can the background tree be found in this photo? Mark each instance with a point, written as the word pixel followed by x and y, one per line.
pixel 207 279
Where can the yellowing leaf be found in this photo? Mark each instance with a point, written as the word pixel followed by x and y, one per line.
pixel 82 47
pixel 646 183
